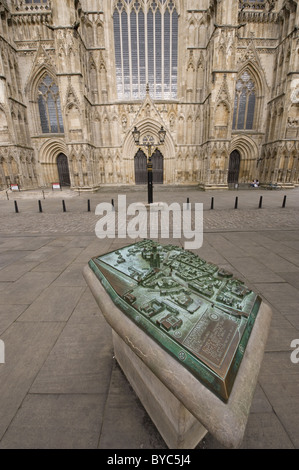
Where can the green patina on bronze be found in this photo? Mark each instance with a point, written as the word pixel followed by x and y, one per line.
pixel 197 312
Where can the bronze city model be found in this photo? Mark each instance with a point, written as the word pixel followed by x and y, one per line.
pixel 196 311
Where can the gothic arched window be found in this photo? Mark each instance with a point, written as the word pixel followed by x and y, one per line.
pixel 146 48
pixel 244 105
pixel 49 106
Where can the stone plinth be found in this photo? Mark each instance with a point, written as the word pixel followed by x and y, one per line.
pixel 182 408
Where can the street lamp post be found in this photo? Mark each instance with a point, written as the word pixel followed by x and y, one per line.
pixel 148 142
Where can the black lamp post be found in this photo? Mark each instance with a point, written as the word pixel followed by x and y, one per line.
pixel 148 142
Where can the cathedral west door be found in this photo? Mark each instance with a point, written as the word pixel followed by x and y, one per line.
pixel 140 168
pixel 63 170
pixel 140 164
pixel 234 167
pixel 157 161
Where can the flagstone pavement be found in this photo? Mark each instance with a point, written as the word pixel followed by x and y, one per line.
pixel 60 386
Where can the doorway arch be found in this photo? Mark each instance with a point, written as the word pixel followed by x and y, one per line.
pixel 63 170
pixel 234 167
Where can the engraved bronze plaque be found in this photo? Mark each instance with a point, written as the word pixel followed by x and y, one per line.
pixel 197 312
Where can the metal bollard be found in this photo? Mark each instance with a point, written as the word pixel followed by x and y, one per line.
pixel 212 203
pixel 88 205
pixel 236 203
pixel 261 202
pixel 40 206
pixel 63 206
pixel 284 201
pixel 16 207
pixel 112 202
pixel 187 203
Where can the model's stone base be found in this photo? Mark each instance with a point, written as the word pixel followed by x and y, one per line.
pixel 178 427
pixel 167 389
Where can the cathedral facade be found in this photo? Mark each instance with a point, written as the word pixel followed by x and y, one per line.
pixel 77 77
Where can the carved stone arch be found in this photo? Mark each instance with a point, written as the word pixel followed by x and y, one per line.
pixel 47 157
pixel 32 91
pixel 259 91
pixel 31 88
pixel 257 75
pixel 249 153
pixel 149 126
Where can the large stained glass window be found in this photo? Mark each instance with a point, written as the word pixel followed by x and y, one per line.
pixel 49 106
pixel 146 48
pixel 244 102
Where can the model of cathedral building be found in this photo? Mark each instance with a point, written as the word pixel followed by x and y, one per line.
pixel 220 76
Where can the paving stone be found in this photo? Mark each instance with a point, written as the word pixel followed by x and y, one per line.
pixel 60 261
pixel 56 422
pixel 43 254
pixel 253 270
pixel 60 374
pixel 26 347
pixel 265 431
pixel 280 338
pixel 282 296
pixel 126 424
pixel 9 257
pixel 26 289
pixel 86 310
pixel 8 314
pixel 55 303
pixel 14 271
pixel 278 364
pixel 260 402
pixel 80 361
pixel 71 276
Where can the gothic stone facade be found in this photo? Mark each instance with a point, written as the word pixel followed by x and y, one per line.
pixel 68 105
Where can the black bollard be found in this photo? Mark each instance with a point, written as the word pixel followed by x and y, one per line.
pixel 236 203
pixel 112 202
pixel 88 205
pixel 187 203
pixel 63 206
pixel 261 202
pixel 284 201
pixel 40 206
pixel 212 203
pixel 16 207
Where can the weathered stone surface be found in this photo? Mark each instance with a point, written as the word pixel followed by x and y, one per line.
pixel 226 421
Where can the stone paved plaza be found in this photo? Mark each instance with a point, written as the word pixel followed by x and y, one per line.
pixel 60 386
